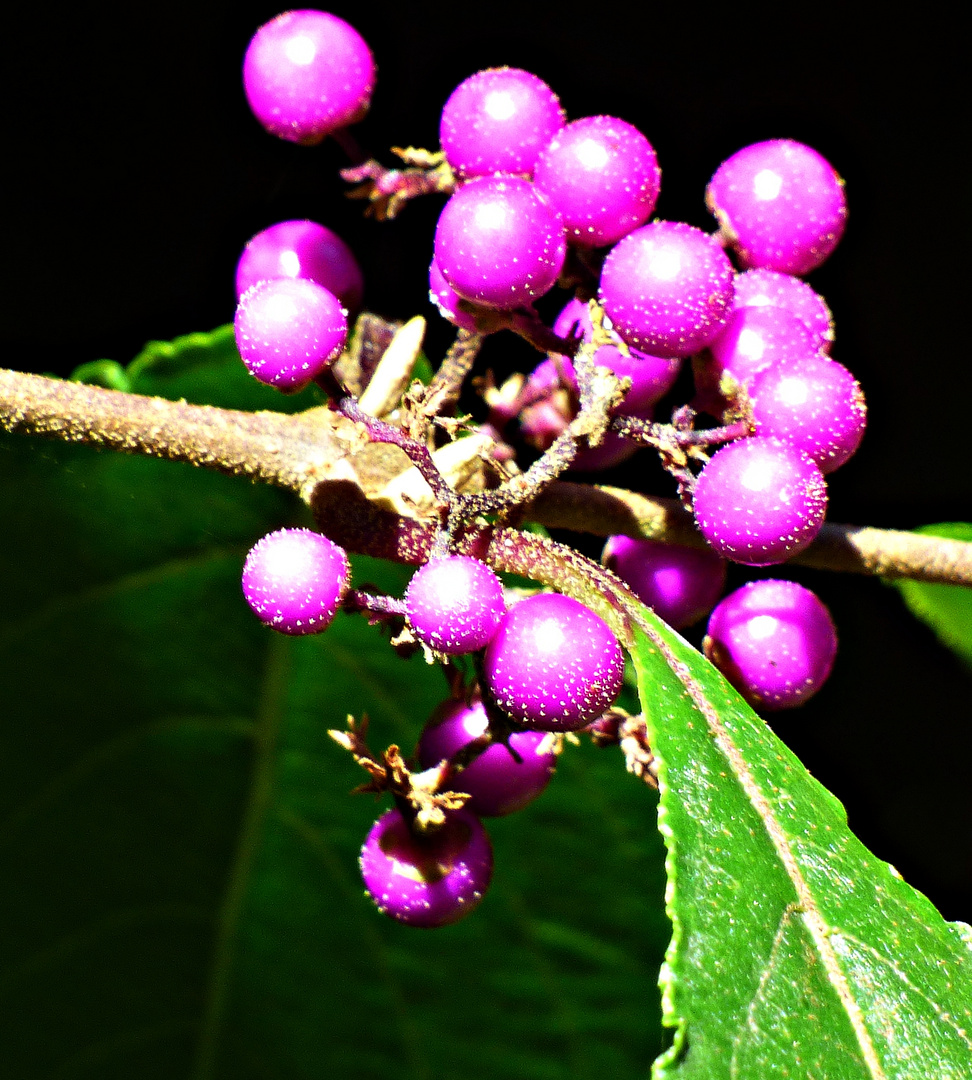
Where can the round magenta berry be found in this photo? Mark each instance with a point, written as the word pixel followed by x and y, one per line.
pixel 498 121
pixel 601 175
pixel 295 579
pixel 431 878
pixel 814 404
pixel 446 299
pixel 553 664
pixel 302 249
pixel 758 501
pixel 774 641
pixel 780 204
pixel 454 604
pixel 288 331
pixel 498 244
pixel 651 376
pixel 667 288
pixel 680 584
pixel 306 74
pixel 497 782
pixel 756 288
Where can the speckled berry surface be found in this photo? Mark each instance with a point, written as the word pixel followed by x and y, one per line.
pixel 553 664
pixel 602 176
pixel 294 580
pixel 302 249
pixel 651 376
pixel 756 288
pixel 498 244
pixel 680 584
pixel 307 73
pixel 497 782
pixel 781 205
pixel 455 604
pixel 813 404
pixel 288 331
pixel 446 299
pixel 758 501
pixel 498 121
pixel 430 879
pixel 667 288
pixel 774 641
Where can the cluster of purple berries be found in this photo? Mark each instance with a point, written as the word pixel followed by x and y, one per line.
pixel 536 201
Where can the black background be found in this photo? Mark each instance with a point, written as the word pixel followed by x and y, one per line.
pixel 134 175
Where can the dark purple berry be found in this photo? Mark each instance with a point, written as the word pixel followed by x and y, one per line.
pixel 680 584
pixel 295 579
pixel 553 664
pixel 758 501
pixel 455 604
pixel 774 641
pixel 497 782
pixel 306 74
pixel 431 878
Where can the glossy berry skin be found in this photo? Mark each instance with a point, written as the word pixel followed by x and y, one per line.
pixel 813 404
pixel 498 121
pixel 553 664
pixel 498 244
pixel 758 501
pixel 680 584
pixel 781 205
pixel 757 288
pixel 288 331
pixel 497 782
pixel 302 249
pixel 602 176
pixel 667 288
pixel 295 579
pixel 651 376
pixel 427 879
pixel 774 641
pixel 307 74
pixel 454 604
pixel 446 299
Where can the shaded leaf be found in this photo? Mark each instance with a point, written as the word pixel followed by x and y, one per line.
pixel 947 609
pixel 796 952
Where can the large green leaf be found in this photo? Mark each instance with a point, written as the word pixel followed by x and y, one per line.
pixel 181 896
pixel 946 608
pixel 796 952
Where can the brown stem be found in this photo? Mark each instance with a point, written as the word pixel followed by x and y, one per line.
pixel 326 459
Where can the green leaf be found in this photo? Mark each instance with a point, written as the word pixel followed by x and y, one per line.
pixel 182 897
pixel 796 953
pixel 947 609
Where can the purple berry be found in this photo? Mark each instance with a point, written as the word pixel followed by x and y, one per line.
pixel 680 584
pixel 455 604
pixel 814 404
pixel 651 376
pixel 553 664
pixel 667 288
pixel 755 288
pixel 445 298
pixel 601 175
pixel 497 782
pixel 306 74
pixel 758 501
pixel 498 244
pixel 427 879
pixel 498 121
pixel 295 579
pixel 774 641
pixel 781 205
pixel 302 249
pixel 288 331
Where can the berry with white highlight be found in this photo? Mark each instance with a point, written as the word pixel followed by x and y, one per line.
pixel 774 641
pixel 295 579
pixel 757 288
pixel 455 604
